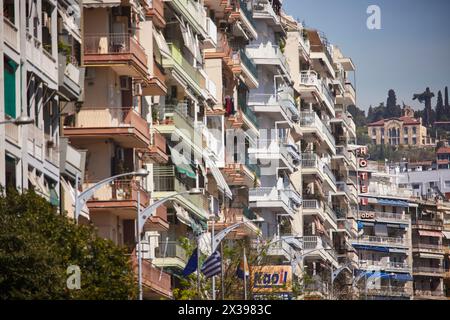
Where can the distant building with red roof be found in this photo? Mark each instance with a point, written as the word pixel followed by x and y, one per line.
pixel 404 130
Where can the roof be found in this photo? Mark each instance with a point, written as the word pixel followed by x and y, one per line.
pixel 443 150
pixel 406 121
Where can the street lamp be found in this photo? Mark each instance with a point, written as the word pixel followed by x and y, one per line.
pixel 83 197
pixel 21 120
pixel 143 216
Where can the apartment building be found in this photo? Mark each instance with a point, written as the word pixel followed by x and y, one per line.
pixel 384 241
pixel 428 238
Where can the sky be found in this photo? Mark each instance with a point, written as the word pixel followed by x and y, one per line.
pixel 410 52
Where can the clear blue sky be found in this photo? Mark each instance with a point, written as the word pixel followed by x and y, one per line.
pixel 409 53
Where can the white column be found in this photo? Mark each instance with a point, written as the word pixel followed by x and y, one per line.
pixel 2 103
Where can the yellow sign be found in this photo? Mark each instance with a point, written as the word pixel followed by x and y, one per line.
pixel 268 279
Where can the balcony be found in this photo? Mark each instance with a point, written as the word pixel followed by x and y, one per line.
pixel 280 248
pixel 313 165
pixel 184 68
pixel 348 157
pixel 350 94
pixel 170 255
pixel 265 10
pixel 51 150
pixel 11 131
pixel 321 209
pixel 243 65
pixel 269 55
pixel 382 241
pixel 71 159
pixel 383 217
pixel 242 174
pixel 249 116
pixel 156 86
pixel 389 291
pixel 125 126
pixel 286 154
pixel 428 224
pixel 346 120
pixel 193 12
pixel 118 197
pixel 157 150
pixel 310 123
pixel 242 21
pixel 235 215
pixel 317 247
pixel 156 13
pixel 10 34
pixel 69 80
pixel 429 294
pixel 176 121
pixel 349 191
pixel 310 84
pixel 428 248
pixel 170 180
pixel 121 51
pixel 385 265
pixel 429 271
pixel 156 283
pixel 280 106
pixel 285 199
pixel 211 34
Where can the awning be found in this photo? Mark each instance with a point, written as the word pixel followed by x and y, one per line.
pixel 161 43
pixel 181 163
pixel 431 256
pixel 394 203
pixel 392 276
pixel 182 214
pixel 221 182
pixel 398 226
pixel 370 248
pixel 446 234
pixel 101 3
pixel 69 23
pixel 428 233
pixel 69 190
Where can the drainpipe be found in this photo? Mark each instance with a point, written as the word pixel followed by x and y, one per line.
pixel 23 89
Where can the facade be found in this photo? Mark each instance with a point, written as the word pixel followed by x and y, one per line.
pixel 405 130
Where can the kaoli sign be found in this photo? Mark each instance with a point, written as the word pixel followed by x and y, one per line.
pixel 267 279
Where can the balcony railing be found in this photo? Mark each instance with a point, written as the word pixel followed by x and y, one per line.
pixel 396 291
pixel 426 269
pixel 211 30
pixel 431 223
pixel 317 242
pixel 382 215
pixel 391 265
pixel 247 13
pixel 171 249
pixel 429 293
pixel 267 54
pixel 310 78
pixel 428 247
pixel 119 190
pixel 312 120
pixel 312 204
pixel 194 12
pixel 10 33
pixel 283 100
pixel 248 63
pixel 184 64
pixel 383 240
pixel 249 113
pixel 287 196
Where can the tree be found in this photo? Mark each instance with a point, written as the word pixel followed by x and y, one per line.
pixel 359 116
pixel 446 106
pixel 440 110
pixel 37 246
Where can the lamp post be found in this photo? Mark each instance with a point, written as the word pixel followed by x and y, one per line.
pixel 216 239
pixel 143 216
pixel 21 120
pixel 83 197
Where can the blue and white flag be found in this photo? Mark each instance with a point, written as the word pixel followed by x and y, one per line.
pixel 212 265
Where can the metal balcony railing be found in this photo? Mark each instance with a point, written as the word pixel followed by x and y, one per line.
pixel 174 250
pixel 427 269
pixel 248 63
pixel 247 13
pixel 311 119
pixel 249 113
pixel 384 264
pixel 184 64
pixel 383 240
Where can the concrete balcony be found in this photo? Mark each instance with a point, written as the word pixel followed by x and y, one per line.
pixel 235 215
pixel 313 165
pixel 156 13
pixel 347 190
pixel 157 151
pixel 268 55
pixel 389 291
pixel 316 247
pixel 345 119
pixel 266 11
pixel 281 106
pixel 427 294
pixel 348 157
pixel 286 154
pixel 383 217
pixel 125 126
pixel 313 87
pixel 428 224
pixel 175 121
pixel 310 123
pixel 11 132
pixel 10 34
pixel 118 197
pixel 241 174
pixel 170 255
pixel 312 207
pixel 350 94
pixel 428 271
pixel 70 77
pixel 156 283
pixel 51 150
pixel 183 68
pixel 156 86
pixel 243 24
pixel 428 248
pixel 388 266
pixel 287 200
pixel 211 34
pixel 280 248
pixel 121 51
pixel 244 66
pixel 193 12
pixel 399 242
pixel 169 181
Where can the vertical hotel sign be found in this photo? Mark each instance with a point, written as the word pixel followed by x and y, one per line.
pixel 271 279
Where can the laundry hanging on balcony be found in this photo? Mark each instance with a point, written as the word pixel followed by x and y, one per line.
pixel 182 165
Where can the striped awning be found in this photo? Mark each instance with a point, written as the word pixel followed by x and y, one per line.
pixel 221 182
pixel 181 163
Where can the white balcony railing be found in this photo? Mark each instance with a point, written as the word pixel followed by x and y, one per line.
pixel 391 265
pixel 267 54
pixel 10 33
pixel 312 120
pixel 211 30
pixel 383 240
pixel 310 78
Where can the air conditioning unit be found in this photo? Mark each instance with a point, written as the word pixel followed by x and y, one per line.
pixel 124 83
pixel 137 89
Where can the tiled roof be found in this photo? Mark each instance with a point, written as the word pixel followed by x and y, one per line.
pixel 404 119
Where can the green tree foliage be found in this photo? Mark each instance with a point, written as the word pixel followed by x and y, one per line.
pixel 398 153
pixel 440 110
pixel 392 109
pixel 37 246
pixel 359 116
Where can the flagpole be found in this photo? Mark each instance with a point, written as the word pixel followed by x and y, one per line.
pixel 214 277
pixel 198 267
pixel 245 276
pixel 221 272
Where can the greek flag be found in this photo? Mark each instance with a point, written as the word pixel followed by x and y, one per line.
pixel 212 265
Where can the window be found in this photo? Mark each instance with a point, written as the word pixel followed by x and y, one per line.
pixel 9 74
pixel 405 140
pixel 405 130
pixel 414 130
pixel 414 141
pixel 10 173
pixel 416 186
pixel 447 184
pixel 374 132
